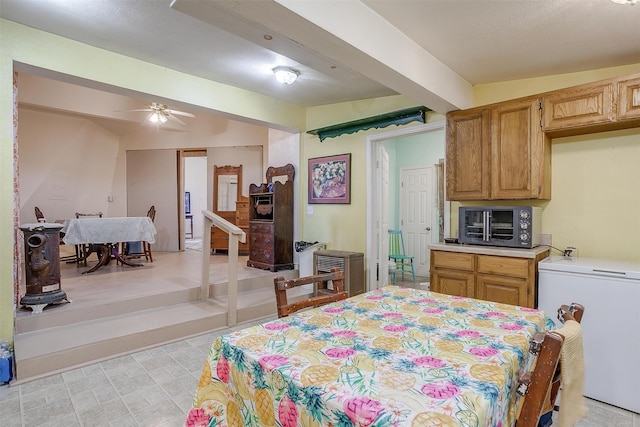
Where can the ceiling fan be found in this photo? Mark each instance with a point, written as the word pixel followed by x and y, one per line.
pixel 160 114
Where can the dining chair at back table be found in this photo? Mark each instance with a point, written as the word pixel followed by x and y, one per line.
pixel 83 251
pixel 143 248
pixel 40 217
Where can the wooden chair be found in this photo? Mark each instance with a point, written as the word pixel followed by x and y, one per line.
pixel 539 388
pixel 71 259
pixel 39 215
pixel 322 294
pixel 403 262
pixel 145 246
pixel 84 250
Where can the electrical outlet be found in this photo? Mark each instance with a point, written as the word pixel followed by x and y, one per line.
pixel 571 251
pixel 545 239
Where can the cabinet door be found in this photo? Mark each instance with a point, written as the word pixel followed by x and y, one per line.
pixel 584 105
pixel 505 290
pixel 629 99
pixel 518 151
pixel 468 154
pixel 452 282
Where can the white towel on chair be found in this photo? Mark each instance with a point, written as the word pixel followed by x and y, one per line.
pixel 572 403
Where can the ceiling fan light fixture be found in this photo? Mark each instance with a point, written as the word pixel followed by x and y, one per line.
pixel 629 2
pixel 157 117
pixel 286 75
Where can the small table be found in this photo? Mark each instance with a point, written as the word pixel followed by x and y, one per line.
pixel 189 234
pixel 106 233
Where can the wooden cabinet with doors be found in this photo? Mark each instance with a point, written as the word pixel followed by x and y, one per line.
pixel 468 154
pixel 497 152
pixel 520 155
pixel 628 98
pixel 583 105
pixel 508 279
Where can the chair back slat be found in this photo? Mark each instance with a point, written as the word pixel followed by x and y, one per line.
pixel 539 388
pixel 396 243
pixel 322 293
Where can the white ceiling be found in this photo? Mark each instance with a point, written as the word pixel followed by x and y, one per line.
pixel 480 41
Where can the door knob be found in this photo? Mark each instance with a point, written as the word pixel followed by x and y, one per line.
pixel 428 228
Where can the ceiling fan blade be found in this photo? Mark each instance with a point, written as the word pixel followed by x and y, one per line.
pixel 173 118
pixel 127 111
pixel 180 113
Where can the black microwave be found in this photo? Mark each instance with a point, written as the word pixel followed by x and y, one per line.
pixel 508 226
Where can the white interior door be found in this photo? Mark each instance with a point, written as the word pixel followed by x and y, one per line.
pixel 383 208
pixel 416 215
pixel 152 179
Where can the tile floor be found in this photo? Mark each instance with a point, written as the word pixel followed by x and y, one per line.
pixel 154 388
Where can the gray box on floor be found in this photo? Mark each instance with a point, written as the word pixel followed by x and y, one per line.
pixel 352 263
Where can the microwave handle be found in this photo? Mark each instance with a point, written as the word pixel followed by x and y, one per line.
pixel 485 226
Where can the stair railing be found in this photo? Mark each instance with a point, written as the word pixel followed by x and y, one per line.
pixel 235 235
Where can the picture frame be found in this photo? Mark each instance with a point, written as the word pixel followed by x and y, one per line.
pixel 187 202
pixel 330 179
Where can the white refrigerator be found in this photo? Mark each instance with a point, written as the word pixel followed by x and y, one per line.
pixel 610 293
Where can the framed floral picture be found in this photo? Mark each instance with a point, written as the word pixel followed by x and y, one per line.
pixel 330 179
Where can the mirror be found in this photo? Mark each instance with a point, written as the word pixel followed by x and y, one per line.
pixel 227 184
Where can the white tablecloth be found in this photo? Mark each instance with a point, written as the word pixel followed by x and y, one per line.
pixel 109 230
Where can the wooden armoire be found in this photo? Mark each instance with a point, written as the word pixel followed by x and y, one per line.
pixel 271 221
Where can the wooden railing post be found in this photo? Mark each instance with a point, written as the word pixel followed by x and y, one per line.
pixel 206 254
pixel 232 290
pixel 235 235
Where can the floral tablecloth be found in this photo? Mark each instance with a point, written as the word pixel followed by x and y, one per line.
pixel 390 357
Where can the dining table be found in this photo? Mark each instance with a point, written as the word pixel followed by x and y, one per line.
pixel 393 356
pixel 105 235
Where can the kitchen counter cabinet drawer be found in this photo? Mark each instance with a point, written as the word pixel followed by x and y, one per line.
pixel 503 266
pixel 452 260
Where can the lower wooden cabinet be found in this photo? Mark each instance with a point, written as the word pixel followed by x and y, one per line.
pixel 503 279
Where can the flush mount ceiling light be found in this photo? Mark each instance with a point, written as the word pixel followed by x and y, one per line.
pixel 630 2
pixel 286 75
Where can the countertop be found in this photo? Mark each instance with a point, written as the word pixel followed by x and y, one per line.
pixel 490 250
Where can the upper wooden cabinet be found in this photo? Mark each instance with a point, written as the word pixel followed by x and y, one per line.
pixel 584 105
pixel 497 152
pixel 629 98
pixel 502 151
pixel 468 154
pixel 518 151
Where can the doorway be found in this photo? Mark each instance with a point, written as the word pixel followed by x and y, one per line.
pixel 396 142
pixel 194 188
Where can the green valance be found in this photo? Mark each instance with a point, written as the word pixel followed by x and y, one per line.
pixel 400 117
